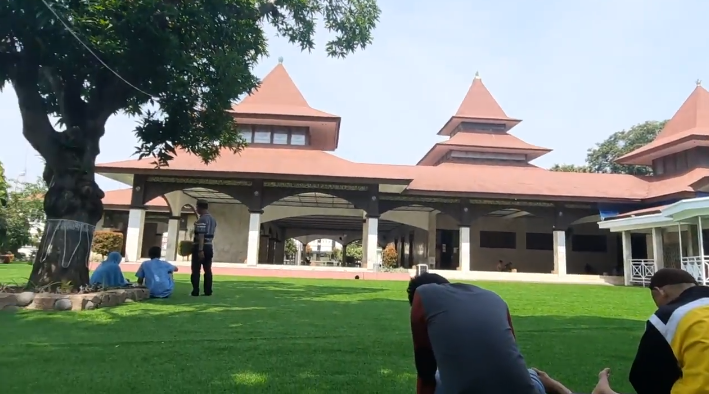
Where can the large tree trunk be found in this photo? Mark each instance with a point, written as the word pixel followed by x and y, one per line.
pixel 73 207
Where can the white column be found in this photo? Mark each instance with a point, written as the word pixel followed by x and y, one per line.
pixel 134 234
pixel 464 248
pixel 657 248
pixel 679 236
pixel 173 232
pixel 99 225
pixel 431 261
pixel 690 241
pixel 365 238
pixel 702 269
pixel 254 238
pixel 372 227
pixel 559 252
pixel 627 256
pixel 299 252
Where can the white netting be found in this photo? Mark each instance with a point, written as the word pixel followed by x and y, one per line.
pixel 62 233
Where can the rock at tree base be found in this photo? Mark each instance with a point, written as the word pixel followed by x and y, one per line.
pixel 74 302
pixel 62 304
pixel 25 298
pixel 11 308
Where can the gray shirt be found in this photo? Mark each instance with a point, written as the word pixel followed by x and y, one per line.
pixel 207 225
pixel 472 341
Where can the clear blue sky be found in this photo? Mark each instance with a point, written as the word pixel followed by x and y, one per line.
pixel 574 71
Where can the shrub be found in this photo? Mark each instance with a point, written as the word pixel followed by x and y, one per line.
pixel 389 256
pixel 106 242
pixel 184 249
pixel 7 258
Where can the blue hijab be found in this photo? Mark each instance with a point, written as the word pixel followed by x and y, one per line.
pixel 109 273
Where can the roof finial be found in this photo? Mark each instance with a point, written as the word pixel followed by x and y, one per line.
pixel 477 75
pixel 699 82
pixel 280 60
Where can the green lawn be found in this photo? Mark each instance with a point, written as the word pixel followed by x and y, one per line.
pixel 272 336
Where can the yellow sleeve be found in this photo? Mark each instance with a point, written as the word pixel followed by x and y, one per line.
pixel 694 360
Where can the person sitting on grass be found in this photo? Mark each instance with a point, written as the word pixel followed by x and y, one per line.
pixel 673 354
pixel 464 341
pixel 156 274
pixel 108 273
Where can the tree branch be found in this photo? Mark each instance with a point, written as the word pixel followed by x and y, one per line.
pixel 36 126
pixel 57 87
pixel 110 96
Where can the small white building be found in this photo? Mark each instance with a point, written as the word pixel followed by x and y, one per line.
pixel 676 236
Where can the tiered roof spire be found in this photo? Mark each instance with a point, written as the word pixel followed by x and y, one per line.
pixel 688 127
pixel 479 103
pixel 480 125
pixel 278 102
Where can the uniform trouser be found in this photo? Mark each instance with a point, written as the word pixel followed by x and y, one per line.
pixel 199 264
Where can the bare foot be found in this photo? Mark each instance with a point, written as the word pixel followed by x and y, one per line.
pixel 604 386
pixel 550 385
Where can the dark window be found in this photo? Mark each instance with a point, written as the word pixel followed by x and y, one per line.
pixel 470 126
pixel 115 220
pixel 659 167
pixel 682 161
pixel 638 246
pixel 275 135
pixel 540 241
pixel 498 240
pixel 589 243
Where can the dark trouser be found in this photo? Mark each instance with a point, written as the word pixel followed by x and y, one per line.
pixel 205 264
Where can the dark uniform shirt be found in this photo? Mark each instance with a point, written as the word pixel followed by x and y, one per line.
pixel 673 355
pixel 206 225
pixel 466 333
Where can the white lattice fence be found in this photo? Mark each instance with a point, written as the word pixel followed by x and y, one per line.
pixel 641 270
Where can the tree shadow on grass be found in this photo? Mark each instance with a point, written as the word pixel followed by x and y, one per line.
pixel 266 336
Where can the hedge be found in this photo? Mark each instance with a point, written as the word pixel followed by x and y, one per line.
pixel 185 248
pixel 389 256
pixel 106 242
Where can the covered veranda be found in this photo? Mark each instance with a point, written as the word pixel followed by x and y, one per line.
pixel 674 237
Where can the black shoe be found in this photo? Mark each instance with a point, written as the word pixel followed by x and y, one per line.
pixel 207 294
pixel 194 294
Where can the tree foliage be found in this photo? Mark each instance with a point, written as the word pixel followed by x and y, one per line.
pixel 601 158
pixel 291 248
pixel 192 59
pixel 568 168
pixel 354 249
pixel 3 186
pixel 337 254
pixel 3 205
pixel 23 215
pixel 176 65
